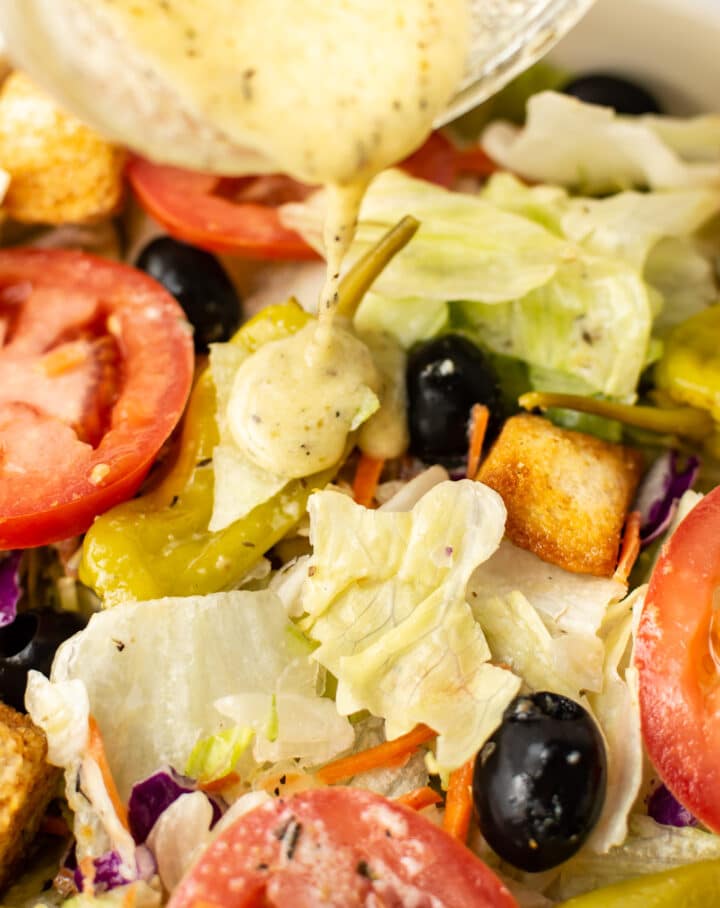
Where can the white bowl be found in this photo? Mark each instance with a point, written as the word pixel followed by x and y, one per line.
pixel 672 46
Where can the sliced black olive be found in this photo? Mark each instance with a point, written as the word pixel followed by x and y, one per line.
pixel 30 642
pixel 539 782
pixel 445 377
pixel 199 283
pixel 613 91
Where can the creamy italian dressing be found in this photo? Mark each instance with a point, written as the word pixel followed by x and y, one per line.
pixel 328 92
pixel 294 405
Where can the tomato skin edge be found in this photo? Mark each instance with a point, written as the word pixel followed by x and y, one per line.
pixel 679 689
pixel 248 230
pixel 155 344
pixel 345 832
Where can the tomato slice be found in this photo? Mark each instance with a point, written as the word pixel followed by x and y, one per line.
pixel 338 848
pixel 96 364
pixel 676 653
pixel 239 216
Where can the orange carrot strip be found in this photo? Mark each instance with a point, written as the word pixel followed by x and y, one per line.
pixel 459 803
pixel 232 778
pixel 630 548
pixel 390 753
pixel 419 798
pixel 479 417
pixel 96 750
pixel 87 868
pixel 366 479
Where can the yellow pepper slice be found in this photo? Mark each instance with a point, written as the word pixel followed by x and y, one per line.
pixel 689 369
pixel 159 544
pixel 691 886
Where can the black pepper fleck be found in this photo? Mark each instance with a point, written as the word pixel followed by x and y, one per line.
pixel 119 645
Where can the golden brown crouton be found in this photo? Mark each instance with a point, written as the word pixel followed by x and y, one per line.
pixel 60 171
pixel 27 783
pixel 566 493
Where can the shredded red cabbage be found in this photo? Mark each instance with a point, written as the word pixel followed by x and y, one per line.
pixel 10 591
pixel 109 872
pixel 150 797
pixel 661 489
pixel 665 809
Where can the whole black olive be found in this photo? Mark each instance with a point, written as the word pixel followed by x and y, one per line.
pixel 30 642
pixel 539 782
pixel 612 91
pixel 199 283
pixel 445 377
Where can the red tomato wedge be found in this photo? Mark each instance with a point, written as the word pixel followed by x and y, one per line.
pixel 676 650
pixel 239 216
pixel 96 364
pixel 338 848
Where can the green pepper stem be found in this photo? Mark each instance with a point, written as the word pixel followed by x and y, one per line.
pixel 360 277
pixel 688 422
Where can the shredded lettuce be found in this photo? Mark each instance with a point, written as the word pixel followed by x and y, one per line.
pixel 217 755
pixel 154 670
pixel 139 895
pixel 617 710
pixel 608 152
pixel 568 603
pixel 649 848
pixel 179 835
pixel 240 485
pixel 386 602
pixel 500 267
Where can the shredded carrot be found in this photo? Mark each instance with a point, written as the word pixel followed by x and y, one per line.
pixel 55 826
pixel 630 548
pixel 479 416
pixel 459 803
pixel 87 868
pixel 96 750
pixel 419 798
pixel 366 479
pixel 232 778
pixel 390 753
pixel 475 160
pixel 130 897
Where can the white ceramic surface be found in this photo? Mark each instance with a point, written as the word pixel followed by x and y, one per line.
pixel 674 45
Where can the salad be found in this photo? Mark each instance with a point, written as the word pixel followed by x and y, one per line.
pixel 465 653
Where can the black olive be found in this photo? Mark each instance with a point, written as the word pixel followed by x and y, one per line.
pixel 30 642
pixel 612 91
pixel 199 283
pixel 539 782
pixel 445 377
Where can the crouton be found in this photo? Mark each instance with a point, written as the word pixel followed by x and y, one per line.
pixel 27 783
pixel 60 171
pixel 566 493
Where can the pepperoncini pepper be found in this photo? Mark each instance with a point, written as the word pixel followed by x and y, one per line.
pixel 691 886
pixel 159 544
pixel 689 370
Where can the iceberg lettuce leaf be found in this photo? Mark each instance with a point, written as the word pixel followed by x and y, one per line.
pixel 386 601
pixel 154 670
pixel 649 848
pixel 608 152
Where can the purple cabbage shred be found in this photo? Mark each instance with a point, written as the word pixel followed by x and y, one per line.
pixel 10 590
pixel 152 796
pixel 109 872
pixel 665 809
pixel 658 496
